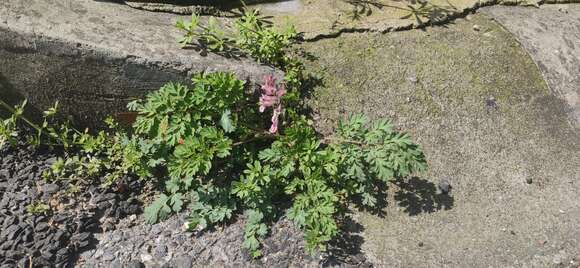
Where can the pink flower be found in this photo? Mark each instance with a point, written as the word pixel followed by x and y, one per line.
pixel 272 97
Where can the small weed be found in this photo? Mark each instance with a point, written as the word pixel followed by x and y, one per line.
pixel 37 208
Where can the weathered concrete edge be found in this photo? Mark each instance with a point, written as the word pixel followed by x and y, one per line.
pixel 414 25
pixel 89 82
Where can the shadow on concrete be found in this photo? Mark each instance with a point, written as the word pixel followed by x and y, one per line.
pixel 424 12
pixel 7 92
pixel 345 249
pixel 12 97
pixel 418 196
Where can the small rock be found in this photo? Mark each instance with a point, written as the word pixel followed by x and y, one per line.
pixel 183 262
pixel 476 28
pixel 491 103
pixel 156 229
pixel 108 256
pixel 116 237
pixel 5 173
pixel 98 253
pixel 160 251
pixel 51 161
pixel 444 186
pixel 146 257
pixel 50 188
pixel 529 180
pixel 63 252
pixel 135 264
pixel 420 244
pixel 116 264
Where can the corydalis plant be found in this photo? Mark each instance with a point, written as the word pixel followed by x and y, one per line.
pixel 212 156
pixel 272 97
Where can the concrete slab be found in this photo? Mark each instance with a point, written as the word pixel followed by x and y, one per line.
pixel 551 34
pixel 478 105
pixel 95 56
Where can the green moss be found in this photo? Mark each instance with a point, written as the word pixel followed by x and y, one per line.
pixel 454 70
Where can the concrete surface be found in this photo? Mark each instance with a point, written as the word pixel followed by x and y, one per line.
pixel 95 56
pixel 477 103
pixel 319 19
pixel 551 35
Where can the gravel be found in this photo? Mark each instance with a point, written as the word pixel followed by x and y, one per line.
pixel 104 227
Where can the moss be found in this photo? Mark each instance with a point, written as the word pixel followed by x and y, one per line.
pixel 460 68
pixel 474 100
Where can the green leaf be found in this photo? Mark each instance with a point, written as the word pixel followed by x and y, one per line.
pixel 158 210
pixel 226 122
pixel 177 202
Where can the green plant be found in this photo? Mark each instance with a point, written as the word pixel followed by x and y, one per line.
pixel 209 35
pixel 8 127
pixel 214 152
pixel 251 35
pixel 211 148
pixel 321 176
pixel 261 41
pixel 51 132
pixel 37 208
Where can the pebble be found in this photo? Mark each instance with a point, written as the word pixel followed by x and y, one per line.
pixel 50 188
pixel 145 257
pixel 557 260
pixel 108 256
pixel 183 262
pixel 136 264
pixel 445 186
pixel 491 103
pixel 160 251
pixel 476 28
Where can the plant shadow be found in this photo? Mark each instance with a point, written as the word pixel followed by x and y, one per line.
pixel 418 196
pixel 345 250
pixel 11 96
pixel 422 11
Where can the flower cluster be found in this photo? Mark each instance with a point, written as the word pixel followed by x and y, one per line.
pixel 272 97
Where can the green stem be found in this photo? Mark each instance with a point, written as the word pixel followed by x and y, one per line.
pixel 10 109
pixel 255 138
pixel 340 140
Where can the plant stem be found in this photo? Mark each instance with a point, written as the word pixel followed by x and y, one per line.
pixel 255 138
pixel 10 109
pixel 340 140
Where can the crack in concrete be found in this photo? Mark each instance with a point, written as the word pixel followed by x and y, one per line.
pixel 444 20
